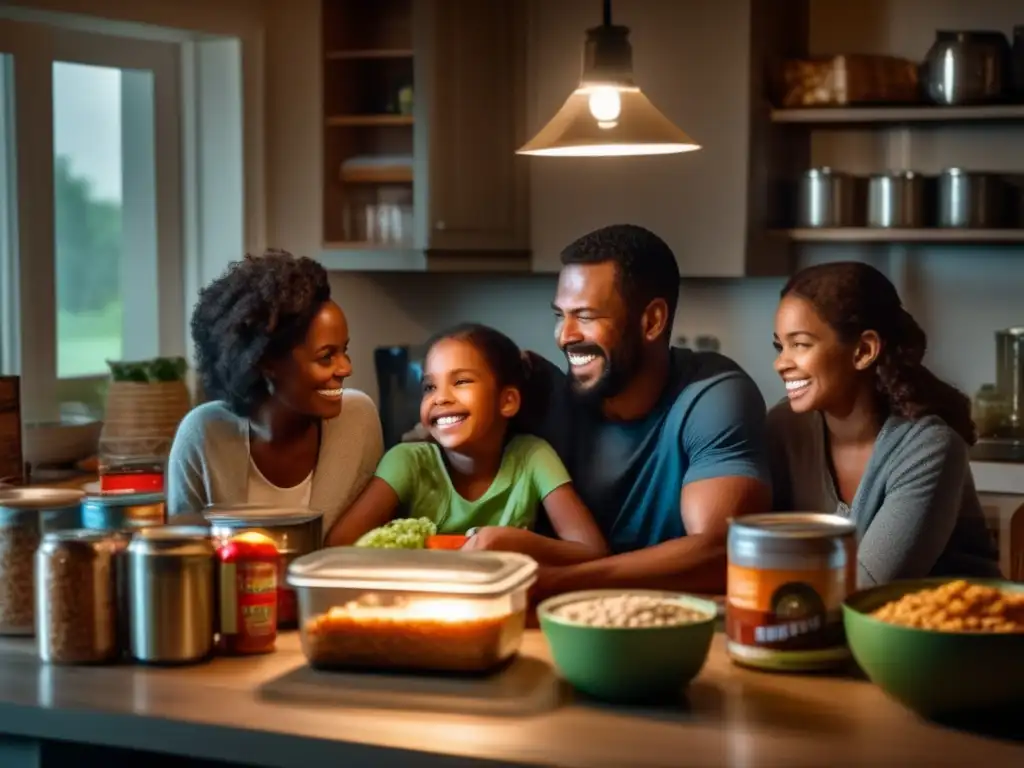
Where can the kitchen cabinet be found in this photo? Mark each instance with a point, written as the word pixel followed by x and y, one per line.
pixel 424 108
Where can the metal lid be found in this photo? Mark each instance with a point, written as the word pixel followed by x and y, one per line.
pixel 40 498
pixel 76 536
pixel 793 525
pixel 129 499
pixel 478 574
pixel 258 515
pixel 172 540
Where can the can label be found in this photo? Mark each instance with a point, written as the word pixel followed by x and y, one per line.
pixel 248 602
pixel 779 610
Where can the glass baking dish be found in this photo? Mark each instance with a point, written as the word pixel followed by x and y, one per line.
pixel 421 610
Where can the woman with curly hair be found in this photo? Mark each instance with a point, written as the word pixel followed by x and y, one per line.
pixel 281 430
pixel 869 433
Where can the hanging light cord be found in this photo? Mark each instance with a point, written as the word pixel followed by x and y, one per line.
pixel 607 6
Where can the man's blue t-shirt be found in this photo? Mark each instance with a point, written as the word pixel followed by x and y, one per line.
pixel 708 423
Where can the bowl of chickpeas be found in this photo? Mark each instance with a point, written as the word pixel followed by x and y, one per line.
pixel 628 646
pixel 941 646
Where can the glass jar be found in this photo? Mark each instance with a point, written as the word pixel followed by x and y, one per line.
pixel 991 412
pixel 76 598
pixel 19 539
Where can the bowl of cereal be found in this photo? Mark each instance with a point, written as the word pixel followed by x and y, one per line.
pixel 941 646
pixel 628 646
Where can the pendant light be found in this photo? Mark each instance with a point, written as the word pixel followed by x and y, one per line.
pixel 608 115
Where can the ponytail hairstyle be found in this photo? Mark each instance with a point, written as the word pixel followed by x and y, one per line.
pixel 510 368
pixel 853 297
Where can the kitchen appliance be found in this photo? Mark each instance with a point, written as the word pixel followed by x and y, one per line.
pixel 411 608
pixel 827 198
pixel 968 67
pixel 1002 438
pixel 295 532
pixel 171 594
pixel 896 200
pixel 971 199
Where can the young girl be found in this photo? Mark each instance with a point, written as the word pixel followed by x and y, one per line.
pixel 479 471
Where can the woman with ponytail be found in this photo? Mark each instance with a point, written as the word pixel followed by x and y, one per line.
pixel 481 471
pixel 869 433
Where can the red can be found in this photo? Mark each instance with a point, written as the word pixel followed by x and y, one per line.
pixel 247 573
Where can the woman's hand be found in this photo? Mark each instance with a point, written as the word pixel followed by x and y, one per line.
pixel 495 538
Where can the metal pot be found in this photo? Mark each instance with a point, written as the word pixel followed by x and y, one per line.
pixel 171 588
pixel 896 200
pixel 59 508
pixel 827 199
pixel 296 532
pixel 967 67
pixel 123 511
pixel 971 200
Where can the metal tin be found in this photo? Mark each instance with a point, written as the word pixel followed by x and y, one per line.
pixel 76 597
pixel 123 511
pixel 59 508
pixel 827 199
pixel 896 200
pixel 171 594
pixel 971 199
pixel 788 576
pixel 295 531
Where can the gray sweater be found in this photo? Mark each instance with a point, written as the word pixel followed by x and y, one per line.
pixel 916 510
pixel 209 461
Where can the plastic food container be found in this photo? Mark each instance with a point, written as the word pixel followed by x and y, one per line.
pixel 411 609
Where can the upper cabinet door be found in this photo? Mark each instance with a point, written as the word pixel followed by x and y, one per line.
pixel 470 90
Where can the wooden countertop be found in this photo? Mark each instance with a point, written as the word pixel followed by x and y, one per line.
pixel 274 711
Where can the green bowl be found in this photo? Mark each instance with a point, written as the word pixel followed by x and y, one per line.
pixel 936 674
pixel 628 664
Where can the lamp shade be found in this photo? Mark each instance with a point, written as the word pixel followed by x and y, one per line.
pixel 606 120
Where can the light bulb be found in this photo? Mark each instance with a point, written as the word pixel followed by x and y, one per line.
pixel 605 104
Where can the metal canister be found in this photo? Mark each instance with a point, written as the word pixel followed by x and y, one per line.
pixel 896 200
pixel 76 597
pixel 123 511
pixel 171 594
pixel 788 576
pixel 827 198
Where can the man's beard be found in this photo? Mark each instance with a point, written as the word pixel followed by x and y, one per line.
pixel 621 366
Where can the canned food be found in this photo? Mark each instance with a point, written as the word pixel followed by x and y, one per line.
pixel 788 576
pixel 123 511
pixel 248 593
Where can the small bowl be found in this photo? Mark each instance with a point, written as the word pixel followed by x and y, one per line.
pixel 628 664
pixel 936 674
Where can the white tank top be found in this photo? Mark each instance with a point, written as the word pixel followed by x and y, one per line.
pixel 262 491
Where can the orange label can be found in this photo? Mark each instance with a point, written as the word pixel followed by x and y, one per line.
pixel 248 578
pixel 788 576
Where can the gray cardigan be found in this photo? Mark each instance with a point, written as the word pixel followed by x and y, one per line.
pixel 209 461
pixel 916 510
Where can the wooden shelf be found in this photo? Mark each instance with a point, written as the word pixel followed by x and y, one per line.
pixel 897 115
pixel 382 175
pixel 370 53
pixel 880 235
pixel 368 121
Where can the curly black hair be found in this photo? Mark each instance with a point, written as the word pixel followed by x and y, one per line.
pixel 256 312
pixel 853 297
pixel 646 267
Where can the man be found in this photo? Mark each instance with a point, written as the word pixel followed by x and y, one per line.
pixel 663 444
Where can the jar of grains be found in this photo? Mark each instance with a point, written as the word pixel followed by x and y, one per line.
pixel 76 597
pixel 19 538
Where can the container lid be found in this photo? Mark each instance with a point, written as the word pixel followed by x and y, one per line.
pixel 479 574
pixel 123 499
pixel 258 515
pixel 176 540
pixel 40 498
pixel 84 537
pixel 794 525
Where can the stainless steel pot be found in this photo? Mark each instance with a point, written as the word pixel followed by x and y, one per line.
pixel 123 511
pixel 827 199
pixel 896 200
pixel 971 200
pixel 59 508
pixel 171 593
pixel 296 532
pixel 970 67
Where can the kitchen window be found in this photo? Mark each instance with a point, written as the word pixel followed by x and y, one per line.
pixel 106 205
